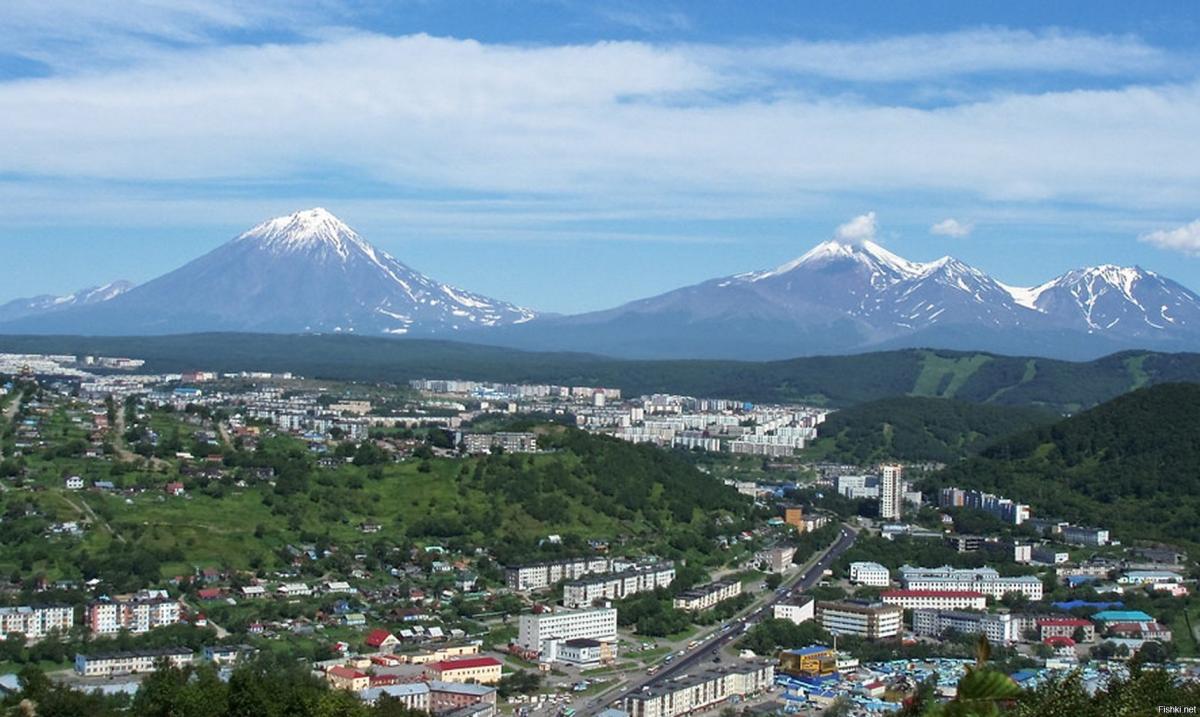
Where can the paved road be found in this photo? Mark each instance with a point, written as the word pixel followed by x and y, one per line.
pixel 713 645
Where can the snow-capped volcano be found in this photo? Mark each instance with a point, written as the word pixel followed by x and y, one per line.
pixel 305 272
pixel 46 303
pixel 845 296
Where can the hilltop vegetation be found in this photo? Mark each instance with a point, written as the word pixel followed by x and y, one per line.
pixel 1132 464
pixel 838 381
pixel 915 428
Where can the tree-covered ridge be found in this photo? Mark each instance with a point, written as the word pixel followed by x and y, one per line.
pixel 837 381
pixel 915 428
pixel 1132 464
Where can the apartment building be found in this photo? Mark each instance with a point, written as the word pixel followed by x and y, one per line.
pixel 109 664
pixel 134 614
pixel 37 621
pixel 702 691
pixel 478 443
pixel 999 628
pixel 798 611
pixel 1065 627
pixel 867 573
pixel 1092 537
pixel 872 620
pixel 538 576
pixel 705 597
pixel 583 593
pixel 891 492
pixel 984 580
pixel 935 599
pixel 535 631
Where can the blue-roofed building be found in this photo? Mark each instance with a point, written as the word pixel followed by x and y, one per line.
pixel 1074 581
pixel 1108 616
pixel 1072 604
pixel 1024 677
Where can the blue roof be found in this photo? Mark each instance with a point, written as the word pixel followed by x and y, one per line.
pixel 1024 676
pixel 1072 604
pixel 1122 616
pixel 805 651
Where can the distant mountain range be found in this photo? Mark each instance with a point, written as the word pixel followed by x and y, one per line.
pixel 310 273
pixel 303 273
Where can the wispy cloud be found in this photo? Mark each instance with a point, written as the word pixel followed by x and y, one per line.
pixel 1184 239
pixel 951 227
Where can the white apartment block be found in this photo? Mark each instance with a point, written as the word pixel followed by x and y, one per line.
pixel 136 615
pixel 37 621
pixel 1076 535
pixel 704 597
pixel 797 612
pixel 1000 629
pixel 128 663
pixel 891 492
pixel 867 573
pixel 984 580
pixel 583 593
pixel 476 443
pixel 935 599
pixel 534 631
pixel 538 576
pixel 864 619
pixel 700 692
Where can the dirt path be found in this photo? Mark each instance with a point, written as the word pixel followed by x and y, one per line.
pixel 86 510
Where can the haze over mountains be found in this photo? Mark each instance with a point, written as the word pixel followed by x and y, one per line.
pixel 309 272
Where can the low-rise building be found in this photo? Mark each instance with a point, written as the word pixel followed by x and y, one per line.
pixel 414 696
pixel 872 620
pixel 867 573
pixel 482 670
pixel 1066 627
pixel 797 611
pixel 108 664
pixel 347 678
pixel 811 661
pixel 984 580
pixel 704 597
pixel 449 696
pixel 999 628
pixel 700 692
pixel 935 599
pixel 1092 537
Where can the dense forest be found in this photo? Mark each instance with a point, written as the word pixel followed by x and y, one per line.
pixel 915 428
pixel 1132 465
pixel 1062 386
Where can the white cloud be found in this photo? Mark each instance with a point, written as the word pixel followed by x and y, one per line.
pixel 951 227
pixel 859 229
pixel 1185 239
pixel 680 130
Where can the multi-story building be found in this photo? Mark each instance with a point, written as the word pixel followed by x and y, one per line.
pixel 984 580
pixel 414 696
pixel 1065 627
pixel 794 516
pixel 800 610
pixel 476 443
pixel 36 622
pixel 872 620
pixel 857 487
pixel 777 559
pixel 450 696
pixel 128 663
pixel 704 597
pixel 935 599
pixel 534 632
pixel 1092 537
pixel 134 614
pixel 867 573
pixel 999 506
pixel 811 661
pixel 583 593
pixel 481 670
pixel 537 576
pixel 891 492
pixel 999 628
pixel 702 691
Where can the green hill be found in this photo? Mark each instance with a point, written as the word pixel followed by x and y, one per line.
pixel 915 428
pixel 1062 386
pixel 1132 464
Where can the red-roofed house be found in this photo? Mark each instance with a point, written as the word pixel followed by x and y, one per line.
pixel 381 639
pixel 1140 631
pixel 210 593
pixel 1065 627
pixel 174 488
pixel 484 670
pixel 1063 646
pixel 347 678
pixel 935 599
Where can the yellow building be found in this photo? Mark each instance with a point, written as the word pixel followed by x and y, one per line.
pixel 483 670
pixel 794 516
pixel 815 660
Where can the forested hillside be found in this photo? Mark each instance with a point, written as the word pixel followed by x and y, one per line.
pixel 914 428
pixel 1132 465
pixel 837 381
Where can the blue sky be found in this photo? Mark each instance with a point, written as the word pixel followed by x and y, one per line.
pixel 574 155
